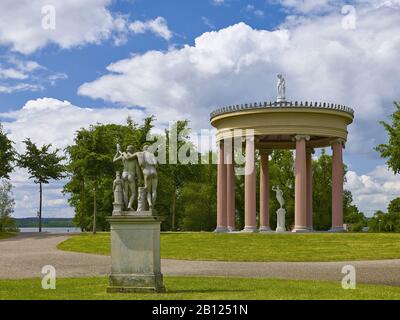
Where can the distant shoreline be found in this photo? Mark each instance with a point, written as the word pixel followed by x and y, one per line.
pixel 63 230
pixel 33 222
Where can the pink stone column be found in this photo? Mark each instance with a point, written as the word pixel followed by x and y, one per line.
pixel 337 185
pixel 309 153
pixel 250 187
pixel 264 191
pixel 230 186
pixel 300 210
pixel 221 190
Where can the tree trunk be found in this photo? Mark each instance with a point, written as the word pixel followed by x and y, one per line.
pixel 173 210
pixel 94 210
pixel 83 206
pixel 40 206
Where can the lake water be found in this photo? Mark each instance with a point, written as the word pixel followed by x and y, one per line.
pixel 52 230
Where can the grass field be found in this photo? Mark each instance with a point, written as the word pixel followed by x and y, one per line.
pixel 197 288
pixel 5 235
pixel 258 247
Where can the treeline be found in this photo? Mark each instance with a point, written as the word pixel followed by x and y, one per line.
pixel 187 192
pixel 46 223
pixel 91 172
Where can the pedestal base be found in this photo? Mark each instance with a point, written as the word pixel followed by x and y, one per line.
pixel 135 253
pixel 134 213
pixel 280 220
pixel 337 229
pixel 136 283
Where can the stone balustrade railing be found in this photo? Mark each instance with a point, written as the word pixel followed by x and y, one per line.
pixel 285 104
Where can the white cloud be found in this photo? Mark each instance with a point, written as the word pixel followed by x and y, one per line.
pixel 373 191
pixel 77 23
pixel 158 26
pixel 208 22
pixel 326 6
pixel 218 2
pixel 238 64
pixel 48 120
pixel 18 74
pixel 11 73
pixel 308 6
pixel 20 87
pixel 254 11
pixel 52 121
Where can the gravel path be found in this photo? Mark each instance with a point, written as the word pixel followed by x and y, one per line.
pixel 24 256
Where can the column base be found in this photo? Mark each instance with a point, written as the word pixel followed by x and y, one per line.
pixel 301 230
pixel 130 283
pixel 265 229
pixel 231 229
pixel 250 229
pixel 221 230
pixel 336 229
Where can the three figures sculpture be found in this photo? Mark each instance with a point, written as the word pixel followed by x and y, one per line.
pixel 137 167
pixel 281 212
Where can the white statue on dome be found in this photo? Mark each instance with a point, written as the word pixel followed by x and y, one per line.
pixel 281 86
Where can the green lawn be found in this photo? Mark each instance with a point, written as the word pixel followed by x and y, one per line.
pixel 5 235
pixel 198 288
pixel 258 247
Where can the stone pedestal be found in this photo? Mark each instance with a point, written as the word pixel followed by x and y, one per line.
pixel 135 253
pixel 280 214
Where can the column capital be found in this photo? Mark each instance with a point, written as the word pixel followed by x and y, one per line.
pixel 301 137
pixel 249 138
pixel 340 141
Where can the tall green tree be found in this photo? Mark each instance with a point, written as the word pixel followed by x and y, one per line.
pixel 7 203
pixel 43 165
pixel 352 216
pixel 391 149
pixel 394 206
pixel 7 155
pixel 199 200
pixel 322 191
pixel 176 174
pixel 387 221
pixel 282 175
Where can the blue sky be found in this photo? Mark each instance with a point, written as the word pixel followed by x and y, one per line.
pixel 187 19
pixel 177 58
